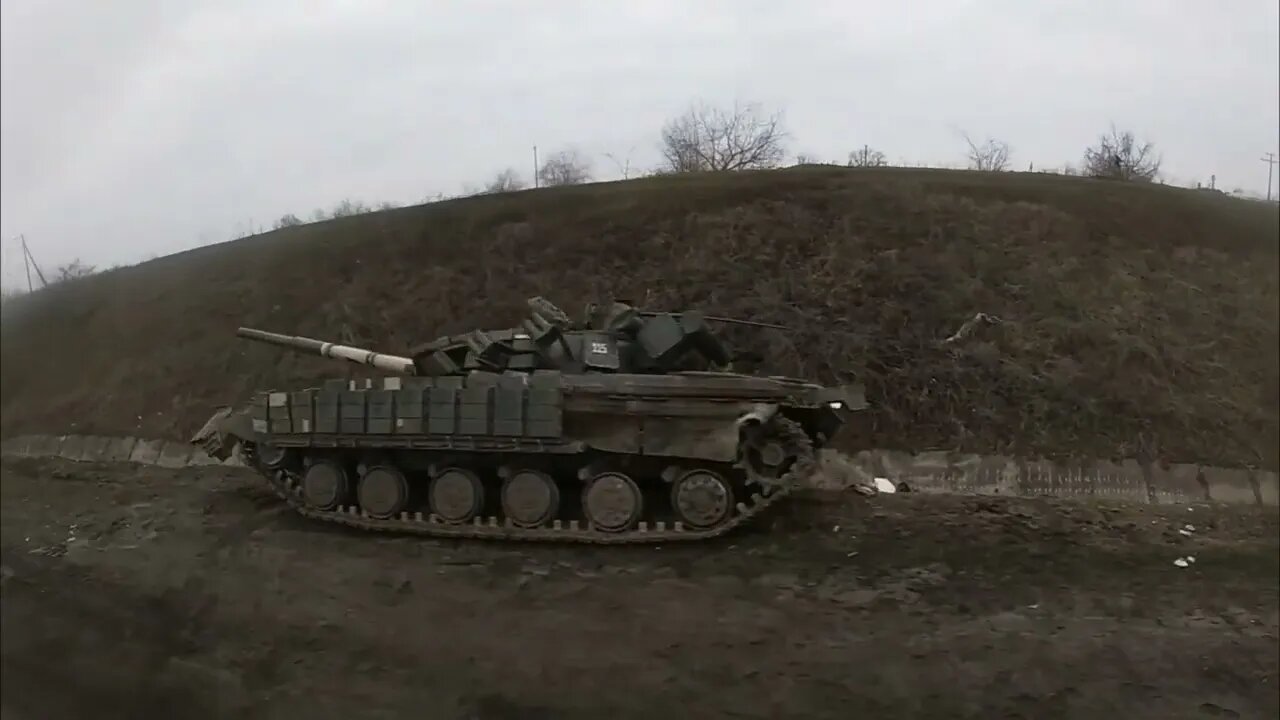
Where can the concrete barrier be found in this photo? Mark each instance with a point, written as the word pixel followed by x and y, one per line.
pixel 922 472
pixel 95 449
pixel 18 447
pixel 72 447
pixel 174 454
pixel 44 446
pixel 146 452
pixel 119 449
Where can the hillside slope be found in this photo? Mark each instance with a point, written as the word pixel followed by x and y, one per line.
pixel 1131 315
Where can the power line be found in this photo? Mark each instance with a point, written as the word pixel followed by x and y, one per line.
pixel 1270 160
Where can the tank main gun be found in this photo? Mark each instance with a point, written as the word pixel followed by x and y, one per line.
pixel 716 318
pixel 360 356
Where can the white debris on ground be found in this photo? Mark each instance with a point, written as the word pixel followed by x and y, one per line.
pixel 838 471
pixel 885 486
pixel 1187 530
pixel 56 549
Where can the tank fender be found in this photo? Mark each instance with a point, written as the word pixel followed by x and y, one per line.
pixel 852 396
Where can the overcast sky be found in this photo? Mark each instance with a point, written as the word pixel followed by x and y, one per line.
pixel 134 128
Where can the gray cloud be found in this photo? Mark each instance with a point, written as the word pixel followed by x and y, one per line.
pixel 133 129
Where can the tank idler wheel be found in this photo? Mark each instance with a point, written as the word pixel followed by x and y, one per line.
pixel 456 495
pixel 383 492
pixel 325 485
pixel 702 499
pixel 530 498
pixel 271 457
pixel 612 502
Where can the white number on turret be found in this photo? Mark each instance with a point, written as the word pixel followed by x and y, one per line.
pixel 599 348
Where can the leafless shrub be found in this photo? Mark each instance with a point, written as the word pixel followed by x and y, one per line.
pixel 709 138
pixel 566 167
pixel 506 181
pixel 1120 156
pixel 73 270
pixel 990 156
pixel 287 220
pixel 347 208
pixel 866 157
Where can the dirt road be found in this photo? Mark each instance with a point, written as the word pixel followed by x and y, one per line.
pixel 131 592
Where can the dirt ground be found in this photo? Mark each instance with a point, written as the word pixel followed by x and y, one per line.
pixel 139 592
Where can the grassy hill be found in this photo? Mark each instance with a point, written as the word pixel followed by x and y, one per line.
pixel 1129 314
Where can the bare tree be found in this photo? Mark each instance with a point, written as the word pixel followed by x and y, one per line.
pixel 349 207
pixel 287 220
pixel 866 157
pixel 72 270
pixel 566 167
pixel 991 156
pixel 1120 156
pixel 506 181
pixel 708 138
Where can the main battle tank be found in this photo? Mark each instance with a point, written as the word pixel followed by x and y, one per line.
pixel 625 426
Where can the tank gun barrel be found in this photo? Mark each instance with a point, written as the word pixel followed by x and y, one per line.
pixel 388 363
pixel 716 318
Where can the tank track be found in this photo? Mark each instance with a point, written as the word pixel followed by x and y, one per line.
pixel 287 485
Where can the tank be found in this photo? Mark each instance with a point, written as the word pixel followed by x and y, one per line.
pixel 625 426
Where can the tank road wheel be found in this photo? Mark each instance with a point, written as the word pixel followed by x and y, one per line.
pixel 270 456
pixel 456 495
pixel 383 492
pixel 325 485
pixel 530 498
pixel 612 502
pixel 702 499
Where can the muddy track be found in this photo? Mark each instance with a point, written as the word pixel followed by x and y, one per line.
pixel 140 592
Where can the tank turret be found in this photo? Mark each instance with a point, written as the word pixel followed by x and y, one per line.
pixel 615 338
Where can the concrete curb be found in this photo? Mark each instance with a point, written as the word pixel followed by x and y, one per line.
pixel 922 472
pixel 161 453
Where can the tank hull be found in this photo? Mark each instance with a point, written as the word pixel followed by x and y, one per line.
pixel 604 458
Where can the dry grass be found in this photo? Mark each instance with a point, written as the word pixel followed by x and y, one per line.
pixel 1131 314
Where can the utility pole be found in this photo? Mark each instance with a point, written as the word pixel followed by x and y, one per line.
pixel 25 262
pixel 1270 160
pixel 535 166
pixel 30 261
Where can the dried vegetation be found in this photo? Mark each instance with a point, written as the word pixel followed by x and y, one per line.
pixel 1120 319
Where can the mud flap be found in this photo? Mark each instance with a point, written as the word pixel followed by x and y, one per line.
pixel 759 415
pixel 752 424
pixel 222 432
